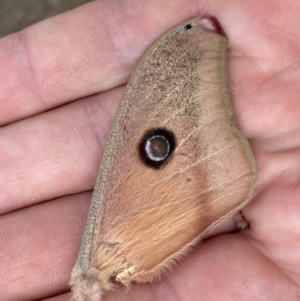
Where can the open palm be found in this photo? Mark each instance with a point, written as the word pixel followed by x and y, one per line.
pixel 61 81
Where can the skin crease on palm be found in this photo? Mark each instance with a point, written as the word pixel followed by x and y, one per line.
pixel 61 81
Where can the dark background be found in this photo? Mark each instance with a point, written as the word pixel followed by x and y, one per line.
pixel 18 14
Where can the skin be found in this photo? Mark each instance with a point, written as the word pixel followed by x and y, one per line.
pixel 55 154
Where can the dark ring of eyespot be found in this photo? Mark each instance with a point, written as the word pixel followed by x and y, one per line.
pixel 156 147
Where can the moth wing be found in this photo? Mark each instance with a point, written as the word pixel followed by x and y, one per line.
pixel 144 217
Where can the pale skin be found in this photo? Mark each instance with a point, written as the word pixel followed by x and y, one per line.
pixel 55 154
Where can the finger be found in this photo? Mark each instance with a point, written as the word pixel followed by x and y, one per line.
pixel 76 54
pixel 68 57
pixel 87 50
pixel 224 268
pixel 55 153
pixel 230 266
pixel 275 224
pixel 38 247
pixel 61 297
pixel 264 70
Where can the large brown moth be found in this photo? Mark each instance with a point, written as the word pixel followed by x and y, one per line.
pixel 175 164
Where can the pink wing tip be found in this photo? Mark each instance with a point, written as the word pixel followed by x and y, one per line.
pixel 210 23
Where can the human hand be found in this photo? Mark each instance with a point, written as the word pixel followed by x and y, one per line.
pixel 49 159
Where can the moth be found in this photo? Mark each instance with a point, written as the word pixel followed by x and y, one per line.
pixel 175 164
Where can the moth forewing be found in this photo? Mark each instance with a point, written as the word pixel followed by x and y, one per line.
pixel 175 164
